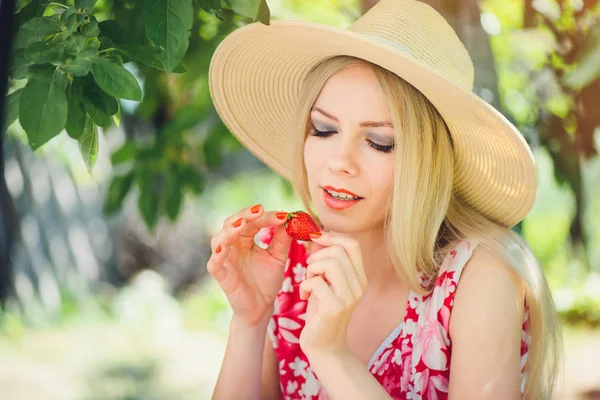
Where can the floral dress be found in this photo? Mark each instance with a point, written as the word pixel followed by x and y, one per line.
pixel 413 362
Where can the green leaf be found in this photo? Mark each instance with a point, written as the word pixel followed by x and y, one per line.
pixel 587 62
pixel 116 58
pixel 145 54
pixel 117 116
pixel 180 69
pixel 168 25
pixel 41 53
pixel 35 8
pixel 192 179
pixel 211 148
pixel 94 106
pixel 92 43
pixel 78 67
pixel 148 199
pixel 69 19
pixel 255 9
pixel 112 30
pixel 173 195
pixel 12 108
pixel 106 102
pixel 19 66
pixel 85 4
pixel 115 80
pixel 36 69
pixel 125 153
pixel 88 53
pixel 75 44
pixel 88 144
pixel 76 118
pixel 43 107
pixel 35 30
pixel 142 53
pixel 118 189
pixel 60 38
pixel 90 30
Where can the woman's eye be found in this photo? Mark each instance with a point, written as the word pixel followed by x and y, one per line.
pixel 319 133
pixel 383 149
pixel 378 147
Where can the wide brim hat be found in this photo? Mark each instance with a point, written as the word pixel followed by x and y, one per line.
pixel 257 71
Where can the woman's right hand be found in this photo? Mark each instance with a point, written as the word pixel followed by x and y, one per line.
pixel 250 276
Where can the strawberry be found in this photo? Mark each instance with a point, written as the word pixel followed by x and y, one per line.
pixel 299 224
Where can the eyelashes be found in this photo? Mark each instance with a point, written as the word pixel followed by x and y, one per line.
pixel 378 147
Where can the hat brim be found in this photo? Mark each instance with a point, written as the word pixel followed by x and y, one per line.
pixel 255 78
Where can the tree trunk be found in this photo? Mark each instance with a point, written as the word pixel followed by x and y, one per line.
pixel 7 220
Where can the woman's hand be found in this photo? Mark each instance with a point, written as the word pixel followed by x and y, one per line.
pixel 250 276
pixel 334 284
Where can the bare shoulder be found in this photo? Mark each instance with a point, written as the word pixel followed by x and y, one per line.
pixel 485 330
pixel 487 286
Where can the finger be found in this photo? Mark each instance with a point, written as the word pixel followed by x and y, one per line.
pixel 247 212
pixel 338 271
pixel 257 221
pixel 249 215
pixel 216 264
pixel 328 302
pixel 351 247
pixel 243 226
pixel 279 247
pixel 228 235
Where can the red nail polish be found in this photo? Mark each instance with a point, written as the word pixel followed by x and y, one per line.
pixel 315 235
pixel 238 222
pixel 255 209
pixel 218 250
pixel 281 215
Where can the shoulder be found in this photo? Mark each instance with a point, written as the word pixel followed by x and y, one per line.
pixel 488 288
pixel 486 329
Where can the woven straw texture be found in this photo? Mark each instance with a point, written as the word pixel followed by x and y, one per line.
pixel 257 71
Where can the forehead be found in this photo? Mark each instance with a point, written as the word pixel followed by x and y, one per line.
pixel 354 93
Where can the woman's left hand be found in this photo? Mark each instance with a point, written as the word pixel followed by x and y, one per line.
pixel 334 284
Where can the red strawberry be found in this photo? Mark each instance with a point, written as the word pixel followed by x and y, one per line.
pixel 299 224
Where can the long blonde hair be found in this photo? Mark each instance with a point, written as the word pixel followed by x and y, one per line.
pixel 426 218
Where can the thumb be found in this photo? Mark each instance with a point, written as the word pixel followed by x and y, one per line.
pixel 314 247
pixel 280 244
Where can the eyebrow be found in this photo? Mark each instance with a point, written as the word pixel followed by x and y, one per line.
pixel 365 124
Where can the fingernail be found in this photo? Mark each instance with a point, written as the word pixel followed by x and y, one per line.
pixel 255 209
pixel 315 235
pixel 281 215
pixel 218 250
pixel 237 223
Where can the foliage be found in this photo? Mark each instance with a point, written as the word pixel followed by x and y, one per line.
pixel 549 80
pixel 75 58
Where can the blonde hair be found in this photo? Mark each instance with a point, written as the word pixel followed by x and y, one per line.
pixel 426 218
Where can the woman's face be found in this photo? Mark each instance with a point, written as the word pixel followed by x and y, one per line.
pixel 352 155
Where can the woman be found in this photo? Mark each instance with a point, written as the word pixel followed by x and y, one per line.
pixel 416 183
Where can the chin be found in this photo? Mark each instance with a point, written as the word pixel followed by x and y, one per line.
pixel 337 223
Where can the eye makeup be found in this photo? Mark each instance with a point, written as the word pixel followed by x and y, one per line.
pixel 328 131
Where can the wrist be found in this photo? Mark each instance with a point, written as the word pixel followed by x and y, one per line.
pixel 239 322
pixel 327 356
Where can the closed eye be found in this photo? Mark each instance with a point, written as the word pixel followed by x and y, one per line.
pixel 378 147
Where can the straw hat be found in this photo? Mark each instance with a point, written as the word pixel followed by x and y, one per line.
pixel 257 71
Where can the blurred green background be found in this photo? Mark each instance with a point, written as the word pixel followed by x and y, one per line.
pixel 105 294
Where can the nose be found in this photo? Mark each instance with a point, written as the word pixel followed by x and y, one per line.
pixel 343 160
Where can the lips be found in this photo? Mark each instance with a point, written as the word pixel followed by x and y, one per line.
pixel 342 190
pixel 337 204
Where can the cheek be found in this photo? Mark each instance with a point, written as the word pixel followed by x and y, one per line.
pixel 383 181
pixel 313 155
